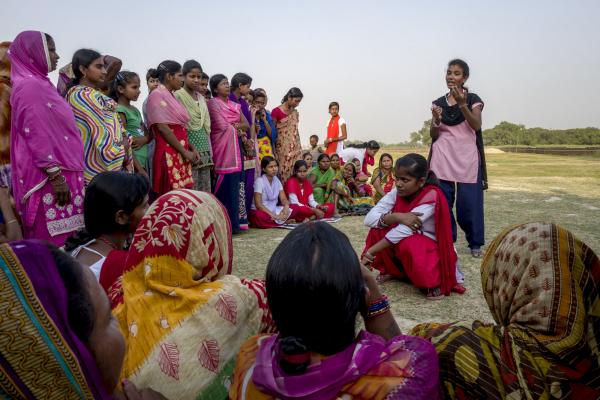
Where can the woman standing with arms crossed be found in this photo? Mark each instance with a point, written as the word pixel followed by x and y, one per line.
pixel 286 117
pixel 227 128
pixel 457 156
pixel 45 145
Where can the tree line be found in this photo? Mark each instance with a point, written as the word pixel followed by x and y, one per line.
pixel 510 134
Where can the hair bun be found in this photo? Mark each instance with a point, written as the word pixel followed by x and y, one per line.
pixel 294 355
pixel 292 345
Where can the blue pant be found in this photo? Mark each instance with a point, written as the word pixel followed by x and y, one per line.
pixel 469 209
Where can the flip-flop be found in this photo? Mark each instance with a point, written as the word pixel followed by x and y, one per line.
pixel 476 253
pixel 460 289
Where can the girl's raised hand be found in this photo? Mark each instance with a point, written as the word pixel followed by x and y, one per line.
pixel 459 95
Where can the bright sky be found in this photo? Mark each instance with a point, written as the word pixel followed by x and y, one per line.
pixel 532 62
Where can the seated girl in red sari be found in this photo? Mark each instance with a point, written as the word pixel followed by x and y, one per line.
pixel 410 234
pixel 300 193
pixel 270 207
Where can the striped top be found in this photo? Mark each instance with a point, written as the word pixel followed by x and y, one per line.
pixel 101 131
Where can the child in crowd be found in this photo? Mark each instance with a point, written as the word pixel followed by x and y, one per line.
pixel 264 125
pixel 315 149
pixel 320 178
pixel 365 152
pixel 198 128
pixel 126 88
pixel 364 189
pixel 204 90
pixel 114 204
pixel 308 159
pixel 270 207
pixel 300 193
pixel 347 197
pixel 152 83
pixel 410 234
pixel 383 177
pixel 336 130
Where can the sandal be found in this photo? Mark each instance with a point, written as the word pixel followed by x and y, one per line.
pixel 434 294
pixel 460 289
pixel 476 253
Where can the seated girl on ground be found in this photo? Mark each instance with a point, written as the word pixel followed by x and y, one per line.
pixel 320 178
pixel 316 263
pixel 410 234
pixel 383 177
pixel 346 194
pixel 362 179
pixel 300 193
pixel 270 207
pixel 113 206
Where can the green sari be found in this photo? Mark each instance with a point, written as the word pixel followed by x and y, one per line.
pixel 322 178
pixel 360 205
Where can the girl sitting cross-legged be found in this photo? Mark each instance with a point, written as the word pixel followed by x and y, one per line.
pixel 410 234
pixel 270 207
pixel 300 193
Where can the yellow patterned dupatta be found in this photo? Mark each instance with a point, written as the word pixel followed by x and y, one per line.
pixel 543 288
pixel 183 317
pixel 41 357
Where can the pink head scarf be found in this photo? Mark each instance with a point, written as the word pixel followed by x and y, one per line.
pixel 43 130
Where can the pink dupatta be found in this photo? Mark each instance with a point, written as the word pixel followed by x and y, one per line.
pixel 164 108
pixel 223 136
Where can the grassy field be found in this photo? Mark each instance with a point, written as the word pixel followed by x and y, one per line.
pixel 523 187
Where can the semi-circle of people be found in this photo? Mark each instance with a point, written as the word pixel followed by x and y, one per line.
pixel 140 302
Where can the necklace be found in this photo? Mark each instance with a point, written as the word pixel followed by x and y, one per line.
pixel 108 242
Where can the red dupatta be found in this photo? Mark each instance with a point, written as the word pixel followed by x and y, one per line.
pixel 431 194
pixel 333 132
pixel 302 191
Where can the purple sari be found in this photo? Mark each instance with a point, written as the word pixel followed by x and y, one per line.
pixel 41 356
pixel 43 135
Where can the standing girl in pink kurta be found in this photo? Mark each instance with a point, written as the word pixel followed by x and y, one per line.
pixel 457 156
pixel 46 149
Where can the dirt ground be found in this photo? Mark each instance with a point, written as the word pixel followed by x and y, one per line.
pixel 523 187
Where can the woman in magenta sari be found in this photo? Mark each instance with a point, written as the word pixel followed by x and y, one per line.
pixel 46 149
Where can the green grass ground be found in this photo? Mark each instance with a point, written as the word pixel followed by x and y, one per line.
pixel 523 187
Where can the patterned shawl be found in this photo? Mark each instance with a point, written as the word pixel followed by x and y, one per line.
pixel 183 317
pixel 543 288
pixel 163 108
pixel 371 368
pixel 40 355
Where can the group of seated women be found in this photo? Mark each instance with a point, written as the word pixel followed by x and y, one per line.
pixel 182 327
